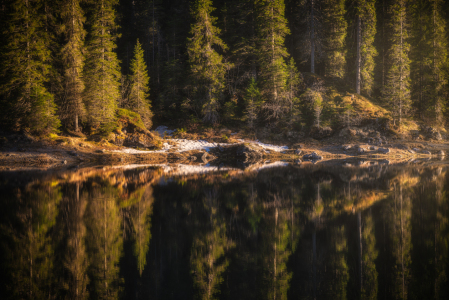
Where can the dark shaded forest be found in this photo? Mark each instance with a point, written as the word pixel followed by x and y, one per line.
pixel 69 65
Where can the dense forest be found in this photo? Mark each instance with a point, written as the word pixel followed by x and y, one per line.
pixel 71 64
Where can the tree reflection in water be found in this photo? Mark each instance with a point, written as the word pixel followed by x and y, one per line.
pixel 299 232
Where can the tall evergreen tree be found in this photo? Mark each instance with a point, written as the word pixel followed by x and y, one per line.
pixel 206 64
pixel 309 19
pixel 271 31
pixel 365 27
pixel 397 87
pixel 26 67
pixel 335 26
pixel 102 71
pixel 72 106
pixel 138 97
pixel 428 58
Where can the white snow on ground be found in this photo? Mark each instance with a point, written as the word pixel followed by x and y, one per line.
pixel 186 145
pixel 162 129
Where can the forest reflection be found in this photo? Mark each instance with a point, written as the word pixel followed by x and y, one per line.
pixel 295 232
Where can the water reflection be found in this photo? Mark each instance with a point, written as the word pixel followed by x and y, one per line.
pixel 298 232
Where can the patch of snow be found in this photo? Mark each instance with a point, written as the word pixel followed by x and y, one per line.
pixel 186 145
pixel 164 129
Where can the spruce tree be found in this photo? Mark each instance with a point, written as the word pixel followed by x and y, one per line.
pixel 271 31
pixel 397 87
pixel 252 100
pixel 102 71
pixel 138 97
pixel 26 67
pixel 335 26
pixel 309 19
pixel 206 64
pixel 428 58
pixel 72 107
pixel 365 25
pixel 293 82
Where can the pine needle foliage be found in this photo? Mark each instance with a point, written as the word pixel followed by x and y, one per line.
pixel 397 88
pixel 429 59
pixel 207 67
pixel 138 97
pixel 72 108
pixel 253 100
pixel 367 12
pixel 271 31
pixel 26 68
pixel 336 30
pixel 102 70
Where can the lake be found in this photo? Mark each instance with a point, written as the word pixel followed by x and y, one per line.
pixel 334 230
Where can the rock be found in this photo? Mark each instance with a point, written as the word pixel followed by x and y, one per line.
pixel 426 152
pixel 384 150
pixel 312 156
pixel 346 147
pixel 373 148
pixel 8 154
pixel 360 150
pixel 433 133
pixel 192 158
pixel 320 132
pixel 415 149
pixel 138 140
pixel 411 151
pixel 441 153
pixel 298 161
pixel 298 152
pixel 64 162
pixel 204 157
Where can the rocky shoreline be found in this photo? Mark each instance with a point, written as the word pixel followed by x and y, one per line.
pixel 26 152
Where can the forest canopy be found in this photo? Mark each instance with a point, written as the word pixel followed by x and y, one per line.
pixel 69 65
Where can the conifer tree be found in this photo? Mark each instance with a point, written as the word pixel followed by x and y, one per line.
pixel 397 88
pixel 72 107
pixel 206 64
pixel 310 18
pixel 271 30
pixel 428 58
pixel 365 24
pixel 138 97
pixel 253 101
pixel 102 71
pixel 335 26
pixel 293 82
pixel 26 67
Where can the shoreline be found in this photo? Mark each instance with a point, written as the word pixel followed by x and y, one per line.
pixel 44 154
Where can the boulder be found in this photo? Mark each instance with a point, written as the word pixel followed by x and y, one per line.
pixel 312 156
pixel 360 150
pixel 346 147
pixel 373 148
pixel 384 150
pixel 441 153
pixel 139 140
pixel 426 152
pixel 298 152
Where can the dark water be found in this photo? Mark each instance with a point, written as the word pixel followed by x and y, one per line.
pixel 298 232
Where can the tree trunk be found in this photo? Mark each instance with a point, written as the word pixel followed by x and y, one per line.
pixel 359 55
pixel 312 40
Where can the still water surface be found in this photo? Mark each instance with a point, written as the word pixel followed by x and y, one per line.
pixel 333 231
